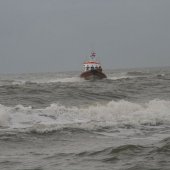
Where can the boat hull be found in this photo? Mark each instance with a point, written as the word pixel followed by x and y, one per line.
pixel 92 74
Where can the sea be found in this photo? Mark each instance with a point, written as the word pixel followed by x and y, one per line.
pixel 58 121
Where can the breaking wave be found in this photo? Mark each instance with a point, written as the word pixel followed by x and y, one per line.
pixel 54 117
pixel 43 81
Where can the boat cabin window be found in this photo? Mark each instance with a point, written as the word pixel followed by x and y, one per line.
pixel 92 67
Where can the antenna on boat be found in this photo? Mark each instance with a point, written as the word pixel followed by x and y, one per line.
pixel 93 55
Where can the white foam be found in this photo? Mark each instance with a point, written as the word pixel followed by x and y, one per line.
pixel 119 75
pixel 48 80
pixel 113 113
pixel 65 80
pixel 19 82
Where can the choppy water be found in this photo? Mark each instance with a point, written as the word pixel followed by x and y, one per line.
pixel 58 121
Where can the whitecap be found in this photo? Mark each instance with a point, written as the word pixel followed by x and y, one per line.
pixel 113 113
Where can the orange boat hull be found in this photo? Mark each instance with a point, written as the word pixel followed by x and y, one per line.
pixel 93 74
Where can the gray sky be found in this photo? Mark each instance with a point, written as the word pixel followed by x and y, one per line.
pixel 57 35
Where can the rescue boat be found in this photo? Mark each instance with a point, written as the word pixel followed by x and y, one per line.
pixel 92 69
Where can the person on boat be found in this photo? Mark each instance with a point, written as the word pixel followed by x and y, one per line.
pixel 100 68
pixel 92 67
pixel 87 68
pixel 96 67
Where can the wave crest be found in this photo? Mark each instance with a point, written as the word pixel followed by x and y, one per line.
pixel 114 113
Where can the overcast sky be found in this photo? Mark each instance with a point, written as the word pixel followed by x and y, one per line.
pixel 57 35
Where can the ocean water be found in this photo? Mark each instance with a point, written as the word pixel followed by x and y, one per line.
pixel 57 121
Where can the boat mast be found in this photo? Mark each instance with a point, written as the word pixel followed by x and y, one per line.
pixel 93 56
